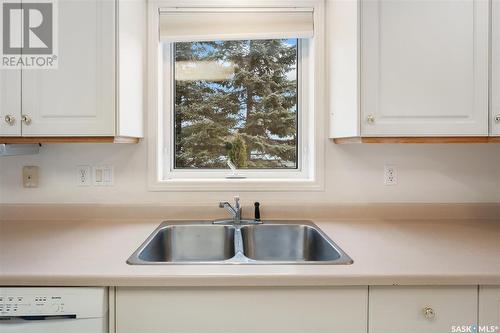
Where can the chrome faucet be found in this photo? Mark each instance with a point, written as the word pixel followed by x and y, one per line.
pixel 234 211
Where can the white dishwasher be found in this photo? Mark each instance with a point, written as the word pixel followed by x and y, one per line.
pixel 53 310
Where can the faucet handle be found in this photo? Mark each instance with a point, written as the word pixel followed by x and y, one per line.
pixel 237 199
pixel 257 211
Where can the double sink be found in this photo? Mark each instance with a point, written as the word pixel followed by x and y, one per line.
pixel 202 242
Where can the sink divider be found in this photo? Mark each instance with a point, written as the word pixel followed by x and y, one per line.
pixel 238 241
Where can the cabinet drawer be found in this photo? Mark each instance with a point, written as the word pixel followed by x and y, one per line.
pixel 421 309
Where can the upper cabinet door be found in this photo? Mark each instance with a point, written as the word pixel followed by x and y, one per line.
pixel 10 102
pixel 10 77
pixel 77 98
pixel 424 68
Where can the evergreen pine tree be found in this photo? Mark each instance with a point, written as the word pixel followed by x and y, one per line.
pixel 204 116
pixel 238 152
pixel 257 105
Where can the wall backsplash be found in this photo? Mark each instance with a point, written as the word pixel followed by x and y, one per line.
pixel 354 174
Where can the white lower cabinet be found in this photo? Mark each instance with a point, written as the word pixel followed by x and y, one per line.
pixel 358 309
pixel 242 310
pixel 398 309
pixel 489 308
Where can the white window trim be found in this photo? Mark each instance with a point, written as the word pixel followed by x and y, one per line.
pixel 311 77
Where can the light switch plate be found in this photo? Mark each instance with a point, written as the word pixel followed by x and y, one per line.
pixel 103 175
pixel 30 176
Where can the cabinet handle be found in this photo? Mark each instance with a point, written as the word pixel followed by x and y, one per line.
pixel 429 313
pixel 26 120
pixel 370 119
pixel 9 119
pixel 497 118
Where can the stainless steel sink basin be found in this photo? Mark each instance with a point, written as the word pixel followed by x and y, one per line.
pixel 297 243
pixel 274 242
pixel 189 243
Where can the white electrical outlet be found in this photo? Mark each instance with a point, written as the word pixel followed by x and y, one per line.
pixel 84 175
pixel 390 175
pixel 30 176
pixel 103 175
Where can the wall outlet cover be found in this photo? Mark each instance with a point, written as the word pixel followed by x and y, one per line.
pixel 30 176
pixel 390 175
pixel 84 175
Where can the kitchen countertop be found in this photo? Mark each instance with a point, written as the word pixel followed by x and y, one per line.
pixel 93 252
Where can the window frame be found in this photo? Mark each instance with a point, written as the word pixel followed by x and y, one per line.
pixel 309 173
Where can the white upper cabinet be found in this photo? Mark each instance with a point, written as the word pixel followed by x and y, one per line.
pixel 97 88
pixel 397 309
pixel 424 68
pixel 495 69
pixel 10 102
pixel 77 97
pixel 10 88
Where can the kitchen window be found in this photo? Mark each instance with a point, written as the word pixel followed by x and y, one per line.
pixel 234 99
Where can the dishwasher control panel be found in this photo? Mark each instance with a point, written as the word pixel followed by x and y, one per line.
pixel 31 305
pixel 40 303
pixel 54 309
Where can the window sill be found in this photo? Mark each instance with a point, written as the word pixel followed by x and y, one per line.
pixel 241 185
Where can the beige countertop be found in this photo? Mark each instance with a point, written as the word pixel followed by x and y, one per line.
pixel 385 252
